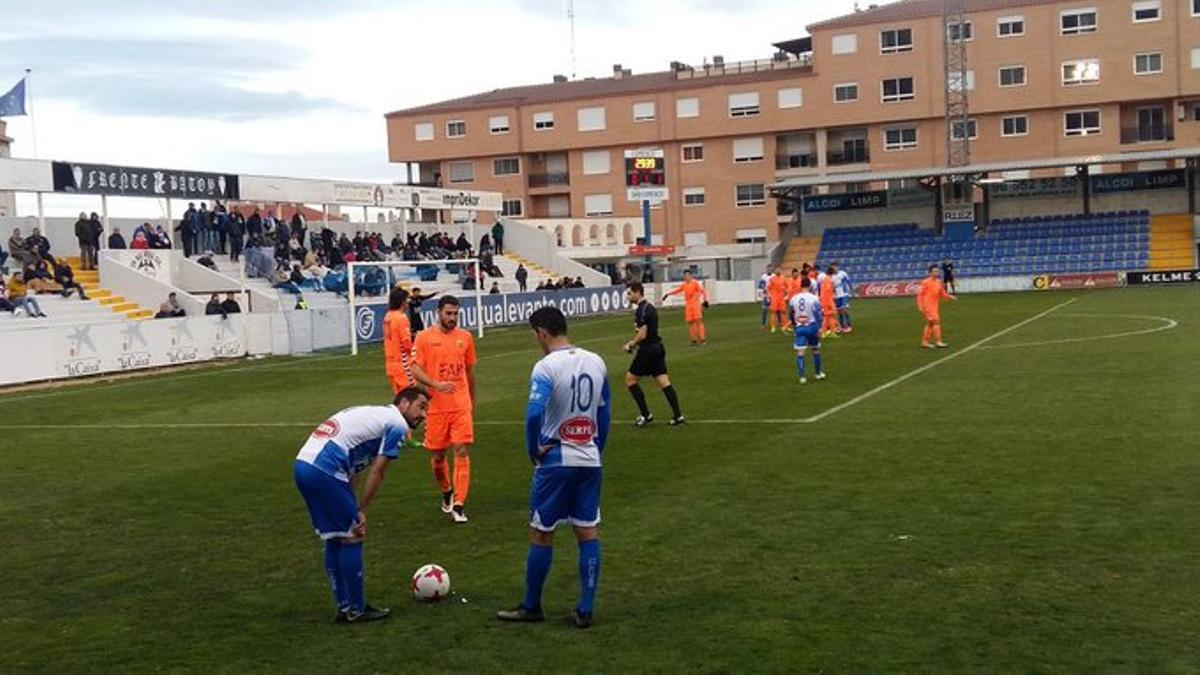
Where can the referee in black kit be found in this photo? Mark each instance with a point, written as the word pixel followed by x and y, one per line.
pixel 651 357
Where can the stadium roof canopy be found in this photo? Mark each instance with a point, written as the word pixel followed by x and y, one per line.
pixel 982 169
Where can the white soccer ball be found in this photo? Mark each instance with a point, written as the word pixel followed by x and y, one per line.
pixel 431 583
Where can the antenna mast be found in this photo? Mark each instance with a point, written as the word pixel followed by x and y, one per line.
pixel 571 20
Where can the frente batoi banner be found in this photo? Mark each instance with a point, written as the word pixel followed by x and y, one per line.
pixel 132 181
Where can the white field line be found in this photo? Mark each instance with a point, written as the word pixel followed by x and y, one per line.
pixel 1167 324
pixel 929 366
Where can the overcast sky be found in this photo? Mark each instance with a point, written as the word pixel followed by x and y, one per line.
pixel 300 87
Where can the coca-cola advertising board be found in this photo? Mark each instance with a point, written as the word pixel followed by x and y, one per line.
pixel 887 289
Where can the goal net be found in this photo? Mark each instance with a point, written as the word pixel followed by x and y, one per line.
pixel 368 285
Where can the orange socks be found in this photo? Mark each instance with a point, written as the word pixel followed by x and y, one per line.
pixel 937 333
pixel 700 331
pixel 925 336
pixel 462 479
pixel 441 470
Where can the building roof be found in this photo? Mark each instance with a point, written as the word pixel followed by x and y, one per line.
pixel 589 88
pixel 907 10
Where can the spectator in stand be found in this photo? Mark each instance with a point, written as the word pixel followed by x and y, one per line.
pixel 5 304
pixel 498 237
pixel 170 309
pixel 160 239
pixel 116 240
pixel 236 225
pixel 282 280
pixel 254 225
pixel 230 306
pixel 299 225
pixel 296 249
pixel 16 245
pixel 207 229
pixel 65 277
pixel 19 297
pixel 522 278
pixel 462 244
pixel 95 232
pixel 283 233
pixel 83 235
pixel 184 228
pixel 313 267
pixel 495 289
pixel 214 306
pixel 221 215
pixel 485 243
pixel 207 260
pixel 38 244
pixel 140 242
pixel 579 282
pixel 40 277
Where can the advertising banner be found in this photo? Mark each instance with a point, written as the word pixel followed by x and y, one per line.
pixel 843 202
pixel 502 310
pixel 887 289
pixel 129 181
pixel 1035 187
pixel 1139 180
pixel 1056 282
pixel 1162 277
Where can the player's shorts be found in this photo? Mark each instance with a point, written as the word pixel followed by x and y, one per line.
pixel 650 360
pixel 331 503
pixel 564 494
pixel 932 314
pixel 766 302
pixel 842 302
pixel 778 305
pixel 444 429
pixel 693 313
pixel 808 337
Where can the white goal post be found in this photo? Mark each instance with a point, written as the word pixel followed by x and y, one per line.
pixel 389 282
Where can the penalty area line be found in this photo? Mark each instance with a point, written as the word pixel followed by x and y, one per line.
pixel 931 365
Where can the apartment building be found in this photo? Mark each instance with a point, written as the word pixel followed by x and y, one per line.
pixel 864 91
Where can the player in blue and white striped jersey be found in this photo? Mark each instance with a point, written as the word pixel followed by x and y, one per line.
pixel 805 312
pixel 566 427
pixel 843 290
pixel 353 444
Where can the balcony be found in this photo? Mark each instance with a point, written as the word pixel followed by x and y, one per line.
pixel 803 161
pixel 549 180
pixel 848 155
pixel 1147 133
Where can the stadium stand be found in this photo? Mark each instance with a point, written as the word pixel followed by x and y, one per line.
pixel 1012 246
pixel 1171 242
pixel 102 305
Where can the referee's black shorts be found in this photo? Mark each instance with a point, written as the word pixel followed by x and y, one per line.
pixel 650 360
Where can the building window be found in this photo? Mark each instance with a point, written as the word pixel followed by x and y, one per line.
pixel 961 32
pixel 423 131
pixel 1148 63
pixel 754 235
pixel 596 162
pixel 1196 56
pixel 456 129
pixel 1010 26
pixel 590 119
pixel 543 121
pixel 687 107
pixel 597 205
pixel 462 172
pixel 511 207
pixel 956 130
pixel 1081 123
pixel 643 112
pixel 744 104
pixel 790 98
pixel 845 93
pixel 1195 7
pixel 1012 76
pixel 1083 71
pixel 895 41
pixel 498 124
pixel 751 194
pixel 1077 21
pixel 900 138
pixel 693 196
pixel 747 149
pixel 956 81
pixel 693 152
pixel 1147 10
pixel 845 44
pixel 898 89
pixel 506 166
pixel 1017 125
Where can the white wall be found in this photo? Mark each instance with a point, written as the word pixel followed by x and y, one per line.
pixel 538 246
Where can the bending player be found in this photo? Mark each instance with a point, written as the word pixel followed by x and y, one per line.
pixel 444 361
pixel 695 301
pixel 843 290
pixel 566 426
pixel 397 341
pixel 650 360
pixel 806 315
pixel 337 454
pixel 929 300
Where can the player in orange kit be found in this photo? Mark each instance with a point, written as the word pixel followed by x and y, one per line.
pixel 777 292
pixel 444 361
pixel 828 308
pixel 695 301
pixel 929 299
pixel 397 341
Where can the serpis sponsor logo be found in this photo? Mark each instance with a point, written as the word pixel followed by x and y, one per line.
pixel 577 430
pixel 327 429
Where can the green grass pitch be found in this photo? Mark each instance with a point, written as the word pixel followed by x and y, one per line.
pixel 1030 505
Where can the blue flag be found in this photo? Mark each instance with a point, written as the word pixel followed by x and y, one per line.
pixel 13 103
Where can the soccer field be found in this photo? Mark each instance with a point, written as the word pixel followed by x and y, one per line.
pixel 1025 501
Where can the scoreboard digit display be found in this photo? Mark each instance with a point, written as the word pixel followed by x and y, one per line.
pixel 645 168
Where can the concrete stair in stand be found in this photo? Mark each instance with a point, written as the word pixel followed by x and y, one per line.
pixel 1172 242
pixel 90 280
pixel 801 250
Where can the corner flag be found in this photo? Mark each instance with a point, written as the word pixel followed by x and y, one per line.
pixel 13 102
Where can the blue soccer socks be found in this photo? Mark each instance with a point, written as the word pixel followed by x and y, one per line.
pixel 537 568
pixel 589 573
pixel 350 574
